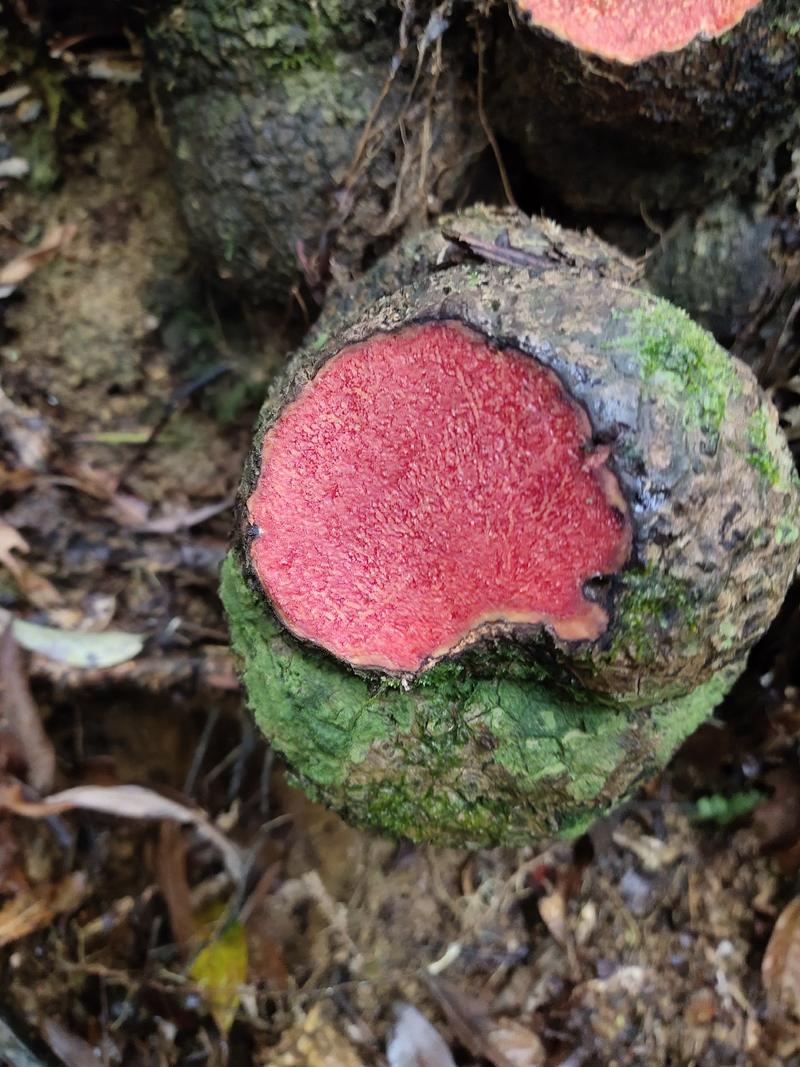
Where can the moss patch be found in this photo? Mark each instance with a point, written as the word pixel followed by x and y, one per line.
pixel 767 452
pixel 786 531
pixel 259 38
pixel 459 759
pixel 683 362
pixel 761 456
pixel 650 602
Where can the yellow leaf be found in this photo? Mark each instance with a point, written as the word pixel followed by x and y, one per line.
pixel 220 970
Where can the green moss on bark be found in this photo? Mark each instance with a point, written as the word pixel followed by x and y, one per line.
pixel 650 601
pixel 683 362
pixel 258 39
pixel 461 759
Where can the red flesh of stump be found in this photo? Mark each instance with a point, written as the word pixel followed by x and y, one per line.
pixel 631 30
pixel 426 488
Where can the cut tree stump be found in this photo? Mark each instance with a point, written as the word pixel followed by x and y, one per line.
pixel 641 105
pixel 508 531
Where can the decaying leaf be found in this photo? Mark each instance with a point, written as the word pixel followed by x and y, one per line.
pixel 220 971
pixel 27 432
pixel 780 970
pixel 502 1042
pixel 172 881
pixel 74 648
pixel 518 1045
pixel 22 266
pixel 21 715
pixel 33 587
pixel 74 1051
pixel 553 910
pixel 130 802
pixel 314 1042
pixel 31 910
pixel 414 1042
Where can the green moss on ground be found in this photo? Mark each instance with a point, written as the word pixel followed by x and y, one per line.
pixel 458 759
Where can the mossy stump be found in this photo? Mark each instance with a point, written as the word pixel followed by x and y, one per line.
pixel 508 531
pixel 305 137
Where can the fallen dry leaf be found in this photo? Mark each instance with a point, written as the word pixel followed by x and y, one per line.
pixel 129 802
pixel 18 709
pixel 654 853
pixel 127 509
pixel 31 910
pixel 74 1051
pixel 13 879
pixel 126 70
pixel 170 871
pixel 414 1042
pixel 482 1035
pixel 12 96
pixel 11 540
pixel 15 481
pixel 26 431
pixel 516 1044
pixel 267 965
pixel 776 820
pixel 182 519
pixel 701 1008
pixel 629 980
pixel 13 167
pixel 40 592
pixel 780 969
pixel 76 648
pixel 22 266
pixel 211 668
pixel 553 910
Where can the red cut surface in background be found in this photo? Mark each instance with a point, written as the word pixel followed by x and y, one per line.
pixel 632 30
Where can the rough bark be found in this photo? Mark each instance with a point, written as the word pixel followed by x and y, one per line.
pixel 303 137
pixel 525 734
pixel 671 131
pixel 735 270
pixel 716 265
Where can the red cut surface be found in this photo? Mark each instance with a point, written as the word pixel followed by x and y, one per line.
pixel 632 30
pixel 426 488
